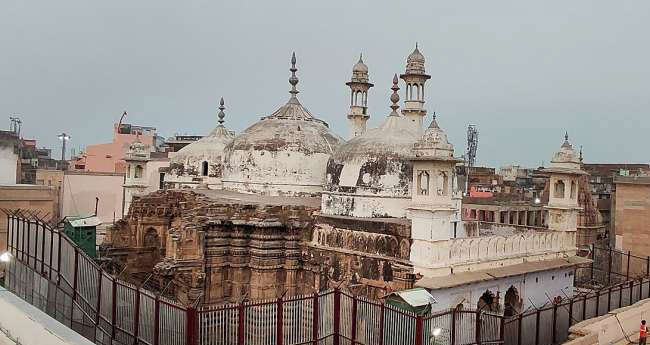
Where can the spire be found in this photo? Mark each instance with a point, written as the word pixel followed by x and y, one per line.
pixel 293 80
pixel 434 123
pixel 394 97
pixel 360 57
pixel 221 113
pixel 580 153
pixel 566 136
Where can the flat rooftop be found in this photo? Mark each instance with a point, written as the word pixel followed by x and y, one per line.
pixel 227 196
pixel 473 277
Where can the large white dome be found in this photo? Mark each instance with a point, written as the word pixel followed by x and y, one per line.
pixel 285 153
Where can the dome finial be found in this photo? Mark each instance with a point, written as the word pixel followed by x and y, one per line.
pixel 580 153
pixel 361 57
pixel 566 136
pixel 221 113
pixel 394 97
pixel 416 44
pixel 293 80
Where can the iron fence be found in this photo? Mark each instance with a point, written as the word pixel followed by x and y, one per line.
pixel 53 274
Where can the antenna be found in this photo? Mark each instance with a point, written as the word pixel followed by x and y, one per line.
pixel 472 146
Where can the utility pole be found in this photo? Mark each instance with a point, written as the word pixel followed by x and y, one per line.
pixel 64 138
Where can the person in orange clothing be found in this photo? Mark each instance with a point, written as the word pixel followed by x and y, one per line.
pixel 643 333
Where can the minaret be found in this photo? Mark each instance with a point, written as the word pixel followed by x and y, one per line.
pixel 359 85
pixel 415 78
pixel 432 206
pixel 563 208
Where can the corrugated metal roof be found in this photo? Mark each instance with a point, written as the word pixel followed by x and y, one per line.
pixel 416 297
pixel 82 222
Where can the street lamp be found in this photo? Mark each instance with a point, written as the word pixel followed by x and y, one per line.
pixel 435 333
pixel 5 257
pixel 64 138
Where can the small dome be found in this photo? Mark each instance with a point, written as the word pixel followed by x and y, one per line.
pixel 566 158
pixel 360 72
pixel 415 62
pixel 190 159
pixel 434 144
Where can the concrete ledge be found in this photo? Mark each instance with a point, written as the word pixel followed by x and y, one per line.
pixel 606 329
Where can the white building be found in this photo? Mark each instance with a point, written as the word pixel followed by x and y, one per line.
pixel 143 172
pixel 9 158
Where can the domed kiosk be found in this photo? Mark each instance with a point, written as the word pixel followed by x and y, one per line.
pixel 285 153
pixel 201 161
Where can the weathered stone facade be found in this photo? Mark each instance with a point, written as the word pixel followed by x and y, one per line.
pixel 219 246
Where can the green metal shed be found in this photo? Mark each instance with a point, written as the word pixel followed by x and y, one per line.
pixel 416 300
pixel 83 232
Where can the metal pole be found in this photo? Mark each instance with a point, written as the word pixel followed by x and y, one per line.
pixel 627 271
pixel 478 327
pixel 191 329
pixel 354 321
pixel 49 271
pixel 280 323
pixel 609 299
pixel 337 316
pixel 156 321
pixel 597 302
pixel 43 250
pixel 113 308
pixel 418 330
pixel 98 306
pixel 631 291
pixel 74 280
pixel 381 324
pixel 571 312
pixel 58 264
pixel 609 268
pixel 584 308
pixel 453 327
pixel 240 333
pixel 620 295
pixel 521 321
pixel 314 329
pixel 537 316
pixel 136 316
pixel 593 248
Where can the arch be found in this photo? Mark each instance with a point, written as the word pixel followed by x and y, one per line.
pixel 423 183
pixel 573 189
pixel 488 302
pixel 138 171
pixel 417 92
pixel 358 98
pixel 128 171
pixel 512 302
pixel 422 91
pixel 443 188
pixel 151 238
pixel 204 168
pixel 558 191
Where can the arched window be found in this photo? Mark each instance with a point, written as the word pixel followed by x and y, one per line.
pixel 417 92
pixel 443 188
pixel 559 189
pixel 138 171
pixel 573 189
pixel 423 183
pixel 128 170
pixel 204 168
pixel 512 302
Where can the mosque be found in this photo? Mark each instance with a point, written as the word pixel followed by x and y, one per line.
pixel 289 207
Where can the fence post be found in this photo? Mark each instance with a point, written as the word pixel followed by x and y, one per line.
pixel 627 271
pixel 554 322
pixel 453 327
pixel 98 306
pixel 609 268
pixel 191 327
pixel 502 329
pixel 537 317
pixel 10 230
pixel 23 246
pixel 279 333
pixel 242 316
pixel 113 308
pixel 418 330
pixel 597 303
pixel 478 327
pixel 156 320
pixel 353 336
pixel 584 307
pixel 593 256
pixel 58 262
pixel 337 316
pixel 620 295
pixel 136 316
pixel 74 281
pixel 609 299
pixel 314 330
pixel 43 250
pixel 381 323
pixel 631 291
pixel 647 266
pixel 521 321
pixel 49 271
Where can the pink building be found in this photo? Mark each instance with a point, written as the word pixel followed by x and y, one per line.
pixel 109 157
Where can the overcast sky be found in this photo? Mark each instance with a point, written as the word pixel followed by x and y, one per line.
pixel 522 71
